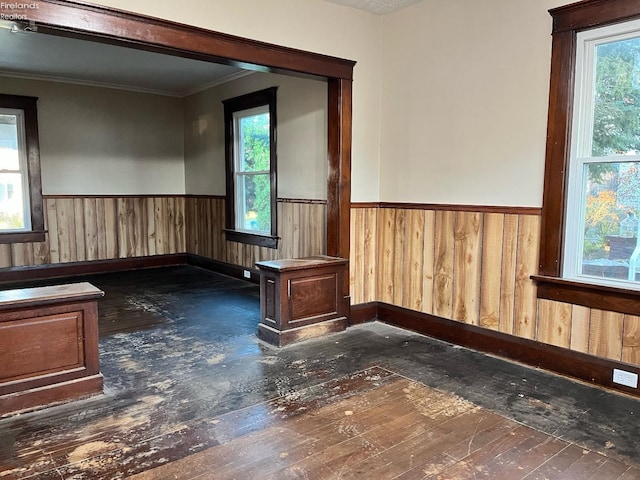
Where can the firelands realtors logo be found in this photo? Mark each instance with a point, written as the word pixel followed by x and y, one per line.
pixel 16 11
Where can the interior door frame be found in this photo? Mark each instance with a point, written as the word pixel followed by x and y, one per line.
pixel 108 25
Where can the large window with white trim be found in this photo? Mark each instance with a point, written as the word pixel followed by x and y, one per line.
pixel 602 244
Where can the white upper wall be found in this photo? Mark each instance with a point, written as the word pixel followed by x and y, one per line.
pixel 101 141
pixel 464 102
pixel 312 25
pixel 301 135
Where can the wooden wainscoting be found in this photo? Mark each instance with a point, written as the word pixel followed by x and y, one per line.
pixel 301 228
pixel 85 228
pixel 474 266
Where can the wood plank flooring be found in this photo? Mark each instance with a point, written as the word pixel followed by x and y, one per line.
pixel 398 430
pixel 191 394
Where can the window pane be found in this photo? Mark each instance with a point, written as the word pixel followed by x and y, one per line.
pixel 254 203
pixel 12 212
pixel 9 157
pixel 612 206
pixel 254 141
pixel 616 122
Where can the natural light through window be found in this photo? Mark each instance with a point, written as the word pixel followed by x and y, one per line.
pixel 14 198
pixel 252 170
pixel 601 239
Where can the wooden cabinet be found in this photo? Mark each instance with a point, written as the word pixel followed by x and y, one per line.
pixel 301 298
pixel 48 345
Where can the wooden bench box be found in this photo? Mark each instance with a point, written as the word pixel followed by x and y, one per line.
pixel 301 298
pixel 48 345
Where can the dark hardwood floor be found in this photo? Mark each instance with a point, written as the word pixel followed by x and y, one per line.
pixel 191 393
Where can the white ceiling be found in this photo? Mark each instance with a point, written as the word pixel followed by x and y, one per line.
pixel 50 57
pixel 379 7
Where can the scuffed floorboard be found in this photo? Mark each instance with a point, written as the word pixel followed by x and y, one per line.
pixel 191 393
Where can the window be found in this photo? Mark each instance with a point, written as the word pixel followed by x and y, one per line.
pixel 21 216
pixel 250 126
pixel 603 196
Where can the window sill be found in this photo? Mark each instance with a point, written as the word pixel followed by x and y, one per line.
pixel 23 237
pixel 251 239
pixel 602 297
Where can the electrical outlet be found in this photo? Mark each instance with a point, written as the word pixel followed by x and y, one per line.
pixel 625 378
pixel 246 273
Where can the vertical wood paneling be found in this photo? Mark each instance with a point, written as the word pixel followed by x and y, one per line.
pixel 526 264
pixel 508 273
pixel 52 230
pixel 428 261
pixel 370 251
pixel 493 231
pixel 443 263
pixel 605 336
pixel 398 277
pixel 413 258
pixel 580 322
pixel 90 214
pixel 467 265
pixel 356 262
pixel 111 226
pixel 5 256
pixel 66 230
pixel 631 340
pixel 554 323
pixel 79 229
pixel 386 237
pixel 101 222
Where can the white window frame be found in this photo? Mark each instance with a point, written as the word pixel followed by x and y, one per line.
pixel 581 149
pixel 239 174
pixel 23 169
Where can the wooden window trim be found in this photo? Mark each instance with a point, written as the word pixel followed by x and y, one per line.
pixel 567 22
pixel 28 106
pixel 236 104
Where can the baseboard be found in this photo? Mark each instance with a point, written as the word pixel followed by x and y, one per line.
pixel 229 269
pixel 363 313
pixel 49 395
pixel 581 366
pixel 71 269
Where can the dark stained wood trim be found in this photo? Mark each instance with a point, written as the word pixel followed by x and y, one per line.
pixel 302 200
pixel 129 195
pixel 229 269
pixel 568 21
pixel 339 177
pixel 50 395
pixel 581 366
pixel 592 13
pixel 29 107
pixel 110 25
pixel 218 197
pixel 251 239
pixel 23 237
pixel 365 204
pixel 41 272
pixel 363 313
pixel 557 152
pixel 451 207
pixel 267 97
pixel 594 296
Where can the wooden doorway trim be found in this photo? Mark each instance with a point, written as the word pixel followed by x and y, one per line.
pixel 107 25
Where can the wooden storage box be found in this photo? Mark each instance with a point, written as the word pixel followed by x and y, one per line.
pixel 48 345
pixel 301 298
